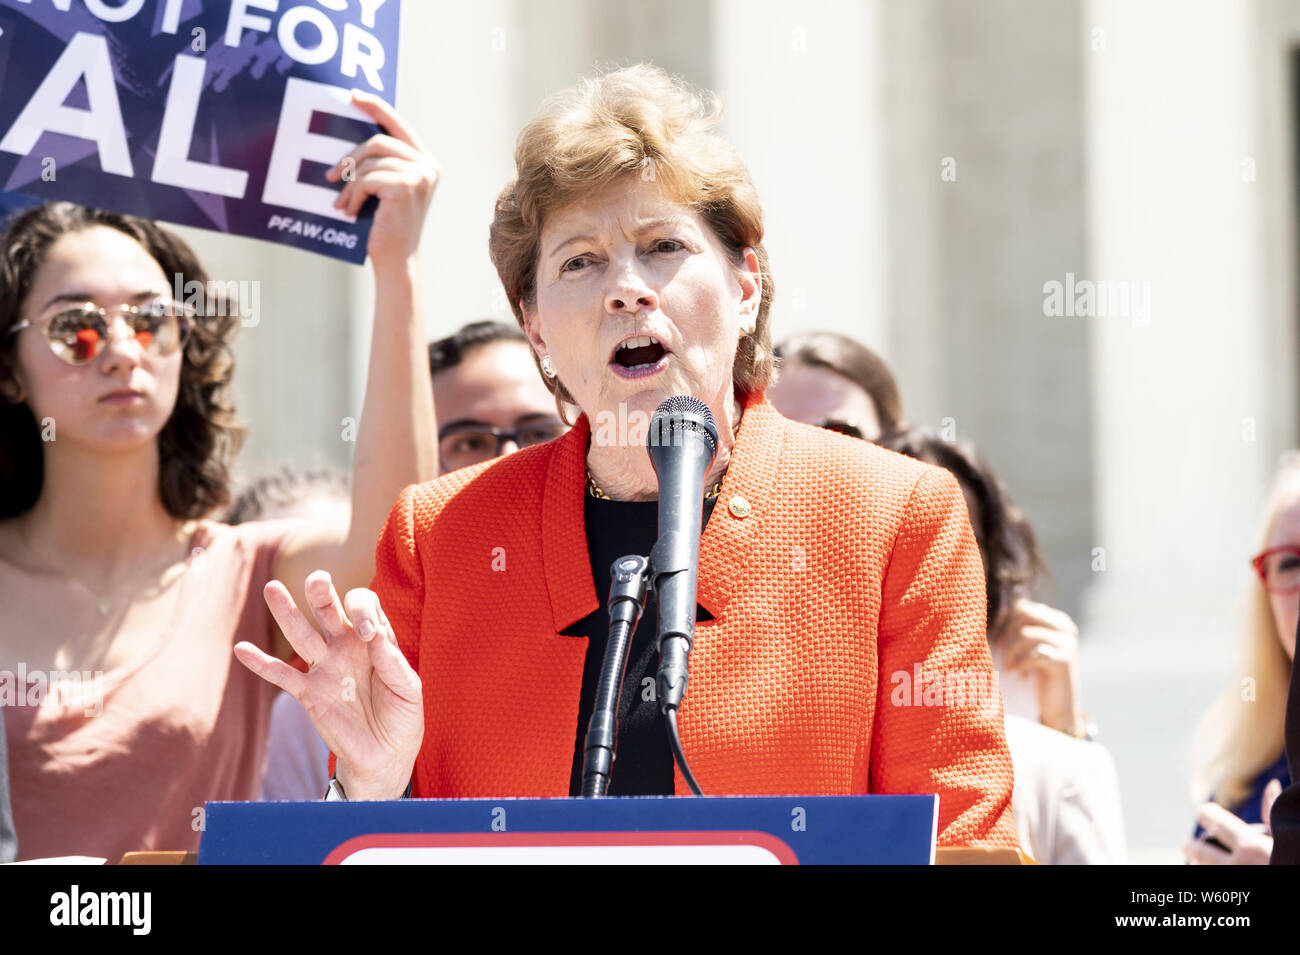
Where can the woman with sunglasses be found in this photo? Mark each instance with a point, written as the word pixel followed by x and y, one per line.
pixel 122 597
pixel 1241 763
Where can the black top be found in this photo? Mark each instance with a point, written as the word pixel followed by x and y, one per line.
pixel 643 764
pixel 1285 818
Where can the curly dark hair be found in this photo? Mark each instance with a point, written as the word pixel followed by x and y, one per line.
pixel 201 436
pixel 1008 546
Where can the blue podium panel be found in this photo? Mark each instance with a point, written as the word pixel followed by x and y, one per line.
pixel 670 830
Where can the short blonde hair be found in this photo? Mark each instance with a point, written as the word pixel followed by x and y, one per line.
pixel 636 121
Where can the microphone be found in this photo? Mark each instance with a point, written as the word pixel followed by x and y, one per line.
pixel 682 441
pixel 628 579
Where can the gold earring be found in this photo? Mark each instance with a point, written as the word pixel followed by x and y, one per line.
pixel 548 366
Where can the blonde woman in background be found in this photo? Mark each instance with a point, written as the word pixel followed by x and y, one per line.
pixel 1241 765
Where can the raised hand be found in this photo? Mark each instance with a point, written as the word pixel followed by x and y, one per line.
pixel 361 694
pixel 394 167
pixel 1042 642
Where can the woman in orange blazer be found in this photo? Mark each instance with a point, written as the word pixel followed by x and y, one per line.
pixel 840 586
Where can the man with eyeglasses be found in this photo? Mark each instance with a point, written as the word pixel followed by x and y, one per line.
pixel 489 396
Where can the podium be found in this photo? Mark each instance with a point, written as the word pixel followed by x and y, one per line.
pixel 772 830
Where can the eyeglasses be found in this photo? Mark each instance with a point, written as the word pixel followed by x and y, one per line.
pixel 1279 569
pixel 464 444
pixel 78 335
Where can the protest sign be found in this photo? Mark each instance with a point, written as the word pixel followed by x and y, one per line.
pixel 221 115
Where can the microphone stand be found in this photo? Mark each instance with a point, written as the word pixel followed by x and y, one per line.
pixel 629 580
pixel 680 466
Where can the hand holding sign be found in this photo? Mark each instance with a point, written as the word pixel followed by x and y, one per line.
pixel 174 122
pixel 395 169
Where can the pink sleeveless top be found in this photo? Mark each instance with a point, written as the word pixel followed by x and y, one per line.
pixel 126 761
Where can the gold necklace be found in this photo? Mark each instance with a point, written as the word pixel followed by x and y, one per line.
pixel 595 490
pixel 102 602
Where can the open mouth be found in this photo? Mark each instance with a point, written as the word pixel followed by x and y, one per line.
pixel 639 354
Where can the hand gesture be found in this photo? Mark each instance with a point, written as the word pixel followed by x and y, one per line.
pixel 394 167
pixel 359 690
pixel 1042 642
pixel 1245 844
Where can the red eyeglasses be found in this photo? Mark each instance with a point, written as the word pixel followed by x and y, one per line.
pixel 1279 569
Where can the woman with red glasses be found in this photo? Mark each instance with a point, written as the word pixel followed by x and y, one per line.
pixel 124 708
pixel 1241 763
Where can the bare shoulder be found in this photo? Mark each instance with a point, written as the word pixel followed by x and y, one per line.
pixel 255 535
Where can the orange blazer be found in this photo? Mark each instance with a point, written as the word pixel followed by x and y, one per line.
pixel 842 578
